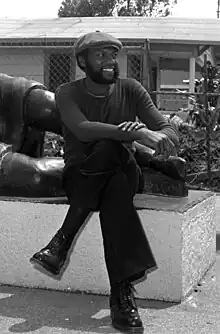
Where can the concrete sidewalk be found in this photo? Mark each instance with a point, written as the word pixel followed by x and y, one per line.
pixel 39 311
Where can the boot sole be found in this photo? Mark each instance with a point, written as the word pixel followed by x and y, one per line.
pixel 128 329
pixel 45 266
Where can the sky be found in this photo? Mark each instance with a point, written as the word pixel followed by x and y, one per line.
pixel 49 8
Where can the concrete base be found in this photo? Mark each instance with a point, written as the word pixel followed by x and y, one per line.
pixel 181 231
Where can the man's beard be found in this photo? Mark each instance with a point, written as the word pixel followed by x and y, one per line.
pixel 98 77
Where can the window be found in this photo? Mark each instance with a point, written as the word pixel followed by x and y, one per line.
pixel 134 66
pixel 59 70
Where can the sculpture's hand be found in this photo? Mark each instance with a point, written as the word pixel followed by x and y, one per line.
pixel 4 148
pixel 24 176
pixel 174 166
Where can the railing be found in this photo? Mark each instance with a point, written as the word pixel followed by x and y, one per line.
pixel 209 117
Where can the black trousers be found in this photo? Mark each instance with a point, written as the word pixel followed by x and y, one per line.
pixel 106 182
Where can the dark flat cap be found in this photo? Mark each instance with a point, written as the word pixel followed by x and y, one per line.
pixel 96 39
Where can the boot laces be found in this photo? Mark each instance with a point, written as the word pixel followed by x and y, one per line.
pixel 56 242
pixel 127 291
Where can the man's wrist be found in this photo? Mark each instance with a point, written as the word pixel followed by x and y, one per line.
pixel 142 134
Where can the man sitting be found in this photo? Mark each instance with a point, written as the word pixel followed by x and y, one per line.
pixel 99 115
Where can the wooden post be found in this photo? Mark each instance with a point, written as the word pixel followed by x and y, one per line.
pixel 192 72
pixel 158 82
pixel 146 67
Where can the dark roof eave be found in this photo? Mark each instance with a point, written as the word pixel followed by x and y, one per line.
pixel 34 40
pixel 182 41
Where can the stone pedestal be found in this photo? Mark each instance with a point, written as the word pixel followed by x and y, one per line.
pixel 181 232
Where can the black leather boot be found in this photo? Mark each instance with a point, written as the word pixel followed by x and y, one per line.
pixel 124 311
pixel 53 256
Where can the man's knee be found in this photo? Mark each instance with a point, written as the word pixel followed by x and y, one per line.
pixel 106 146
pixel 102 155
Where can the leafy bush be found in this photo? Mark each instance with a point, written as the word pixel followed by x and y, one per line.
pixel 53 145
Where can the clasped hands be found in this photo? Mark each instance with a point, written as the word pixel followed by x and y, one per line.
pixel 156 140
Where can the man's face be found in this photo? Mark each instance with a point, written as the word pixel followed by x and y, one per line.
pixel 101 65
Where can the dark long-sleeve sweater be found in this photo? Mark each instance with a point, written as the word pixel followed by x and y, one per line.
pixel 127 100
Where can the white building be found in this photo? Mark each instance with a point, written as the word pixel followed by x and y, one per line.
pixel 172 48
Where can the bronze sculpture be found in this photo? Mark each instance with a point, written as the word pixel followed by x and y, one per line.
pixel 27 111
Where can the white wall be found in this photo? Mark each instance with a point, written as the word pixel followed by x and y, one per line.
pixel 171 77
pixel 25 62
